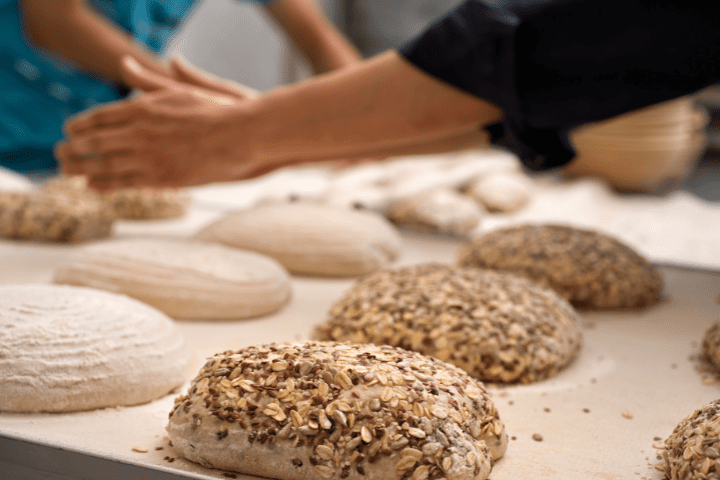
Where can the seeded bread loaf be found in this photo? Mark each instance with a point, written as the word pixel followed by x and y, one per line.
pixel 588 268
pixel 692 451
pixel 711 344
pixel 42 216
pixel 129 203
pixel 337 411
pixel 183 279
pixel 309 238
pixel 496 326
pixel 68 348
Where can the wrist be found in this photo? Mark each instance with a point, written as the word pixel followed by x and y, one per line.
pixel 248 134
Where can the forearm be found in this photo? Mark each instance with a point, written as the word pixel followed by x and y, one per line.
pixel 381 107
pixel 70 29
pixel 312 32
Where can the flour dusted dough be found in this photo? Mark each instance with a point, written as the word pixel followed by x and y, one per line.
pixel 440 210
pixel 590 269
pixel 68 348
pixel 183 279
pixel 315 410
pixel 504 191
pixel 311 239
pixel 496 326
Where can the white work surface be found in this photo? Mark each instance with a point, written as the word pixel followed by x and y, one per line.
pixel 636 362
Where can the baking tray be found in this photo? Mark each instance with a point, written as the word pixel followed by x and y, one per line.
pixel 634 380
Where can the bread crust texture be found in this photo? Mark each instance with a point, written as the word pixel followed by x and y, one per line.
pixel 329 410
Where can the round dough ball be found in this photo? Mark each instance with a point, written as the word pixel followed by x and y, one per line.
pixel 310 238
pixel 589 269
pixel 441 210
pixel 496 326
pixel 68 348
pixel 183 279
pixel 698 434
pixel 337 411
pixel 503 191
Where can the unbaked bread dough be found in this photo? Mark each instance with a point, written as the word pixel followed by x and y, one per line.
pixel 68 348
pixel 441 210
pixel 143 203
pixel 590 269
pixel 692 450
pixel 42 216
pixel 711 344
pixel 309 238
pixel 314 410
pixel 496 326
pixel 504 191
pixel 184 279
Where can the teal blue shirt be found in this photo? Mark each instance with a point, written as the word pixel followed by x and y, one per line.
pixel 40 91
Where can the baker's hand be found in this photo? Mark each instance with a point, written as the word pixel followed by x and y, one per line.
pixel 175 135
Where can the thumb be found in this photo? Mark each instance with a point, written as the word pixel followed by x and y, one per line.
pixel 184 72
pixel 137 76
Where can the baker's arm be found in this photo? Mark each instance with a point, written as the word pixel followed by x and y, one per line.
pixel 73 30
pixel 177 136
pixel 312 32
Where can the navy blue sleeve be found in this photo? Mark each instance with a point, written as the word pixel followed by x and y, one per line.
pixel 553 65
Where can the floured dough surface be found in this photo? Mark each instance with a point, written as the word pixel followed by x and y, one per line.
pixel 692 450
pixel 496 326
pixel 310 238
pixel 590 269
pixel 440 210
pixel 184 279
pixel 337 411
pixel 67 348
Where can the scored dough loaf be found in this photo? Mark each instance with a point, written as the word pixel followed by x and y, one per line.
pixel 691 452
pixel 496 326
pixel 66 348
pixel 183 279
pixel 310 238
pixel 337 411
pixel 590 269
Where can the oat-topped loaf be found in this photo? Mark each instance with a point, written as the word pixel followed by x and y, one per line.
pixel 590 269
pixel 42 216
pixel 129 203
pixel 496 326
pixel 711 344
pixel 692 451
pixel 307 410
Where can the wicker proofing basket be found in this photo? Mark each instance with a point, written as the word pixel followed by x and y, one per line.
pixel 642 150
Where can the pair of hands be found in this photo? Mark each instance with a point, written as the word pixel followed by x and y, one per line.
pixel 187 129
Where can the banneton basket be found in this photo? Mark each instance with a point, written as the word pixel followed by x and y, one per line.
pixel 642 150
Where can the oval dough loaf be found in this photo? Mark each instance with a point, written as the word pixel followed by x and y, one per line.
pixel 183 279
pixel 68 348
pixel 692 450
pixel 311 238
pixel 496 326
pixel 588 268
pixel 337 411
pixel 440 210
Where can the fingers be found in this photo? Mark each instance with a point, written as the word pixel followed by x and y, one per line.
pixel 109 114
pixel 136 76
pixel 184 72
